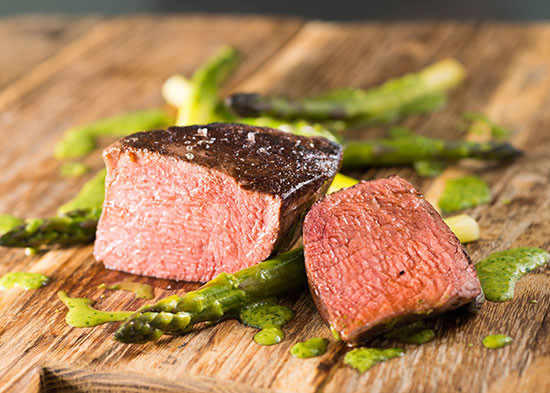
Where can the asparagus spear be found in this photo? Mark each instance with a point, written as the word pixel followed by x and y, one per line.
pixel 79 141
pixel 413 93
pixel 75 227
pixel 406 150
pixel 220 298
pixel 202 105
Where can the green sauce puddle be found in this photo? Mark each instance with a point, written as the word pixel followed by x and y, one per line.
pixel 268 316
pixel 74 169
pixel 90 196
pixel 313 347
pixel 142 291
pixel 464 192
pixel 81 314
pixel 362 359
pixel 414 333
pixel 26 281
pixel 79 141
pixel 499 272
pixel 497 341
pixel 9 222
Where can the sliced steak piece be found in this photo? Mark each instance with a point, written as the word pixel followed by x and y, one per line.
pixel 378 254
pixel 189 203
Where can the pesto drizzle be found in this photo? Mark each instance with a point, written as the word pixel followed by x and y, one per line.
pixel 311 348
pixel 496 341
pixel 142 291
pixel 24 280
pixel 414 333
pixel 464 192
pixel 268 316
pixel 362 359
pixel 499 272
pixel 82 314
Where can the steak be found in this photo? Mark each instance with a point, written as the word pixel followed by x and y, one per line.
pixel 188 203
pixel 378 254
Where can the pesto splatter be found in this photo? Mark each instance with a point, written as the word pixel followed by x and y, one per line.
pixel 268 316
pixel 74 169
pixel 500 271
pixel 142 291
pixel 90 196
pixel 414 333
pixel 464 192
pixel 362 359
pixel 82 314
pixel 79 141
pixel 311 348
pixel 496 341
pixel 9 222
pixel 24 280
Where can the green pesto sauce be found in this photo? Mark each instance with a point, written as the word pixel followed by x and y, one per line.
pixel 335 333
pixel 7 223
pixel 90 196
pixel 364 358
pixel 464 192
pixel 428 168
pixel 142 291
pixel 23 280
pixel 413 333
pixel 74 169
pixel 313 347
pixel 268 316
pixel 82 314
pixel 499 272
pixel 497 341
pixel 79 141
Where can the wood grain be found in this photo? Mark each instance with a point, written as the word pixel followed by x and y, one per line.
pixel 106 66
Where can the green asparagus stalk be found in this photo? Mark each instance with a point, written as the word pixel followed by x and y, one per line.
pixel 76 227
pixel 220 298
pixel 79 141
pixel 202 104
pixel 419 92
pixel 406 150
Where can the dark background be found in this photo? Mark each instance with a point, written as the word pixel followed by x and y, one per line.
pixel 320 9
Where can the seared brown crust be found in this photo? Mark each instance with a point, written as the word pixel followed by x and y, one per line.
pixel 258 158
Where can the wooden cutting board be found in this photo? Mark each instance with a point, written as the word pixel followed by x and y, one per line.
pixel 58 71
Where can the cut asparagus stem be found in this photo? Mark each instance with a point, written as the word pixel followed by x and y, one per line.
pixel 75 227
pixel 419 92
pixel 202 104
pixel 218 299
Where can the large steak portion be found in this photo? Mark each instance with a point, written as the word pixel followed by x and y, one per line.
pixel 188 203
pixel 378 254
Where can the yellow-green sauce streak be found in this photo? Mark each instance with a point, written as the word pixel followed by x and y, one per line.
pixel 82 314
pixel 9 222
pixel 499 272
pixel 268 316
pixel 74 169
pixel 79 141
pixel 341 181
pixel 464 192
pixel 414 333
pixel 90 196
pixel 24 280
pixel 362 359
pixel 496 341
pixel 142 291
pixel 311 348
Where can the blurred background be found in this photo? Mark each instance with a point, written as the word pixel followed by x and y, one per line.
pixel 330 10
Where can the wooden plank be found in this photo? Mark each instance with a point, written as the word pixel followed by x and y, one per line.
pixel 119 65
pixel 28 40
